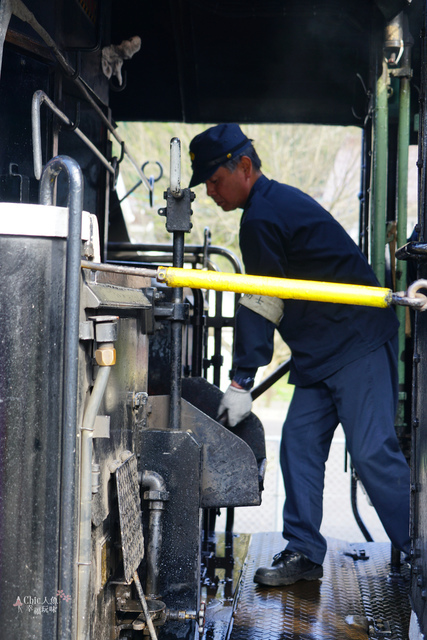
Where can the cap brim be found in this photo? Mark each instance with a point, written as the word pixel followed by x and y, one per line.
pixel 201 176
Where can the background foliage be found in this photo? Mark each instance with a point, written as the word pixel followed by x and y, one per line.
pixel 322 161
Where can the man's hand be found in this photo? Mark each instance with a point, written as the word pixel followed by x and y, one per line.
pixel 235 405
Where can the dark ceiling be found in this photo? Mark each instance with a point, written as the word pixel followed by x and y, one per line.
pixel 252 60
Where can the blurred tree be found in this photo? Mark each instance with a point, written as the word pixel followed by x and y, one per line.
pixel 322 161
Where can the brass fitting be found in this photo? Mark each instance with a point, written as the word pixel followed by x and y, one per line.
pixel 105 356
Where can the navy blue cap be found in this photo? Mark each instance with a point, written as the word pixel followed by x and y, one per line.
pixel 212 148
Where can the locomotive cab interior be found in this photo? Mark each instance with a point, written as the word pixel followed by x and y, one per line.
pixel 114 463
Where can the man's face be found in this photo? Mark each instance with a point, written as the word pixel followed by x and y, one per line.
pixel 229 190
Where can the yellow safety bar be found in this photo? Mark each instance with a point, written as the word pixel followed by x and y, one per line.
pixel 276 287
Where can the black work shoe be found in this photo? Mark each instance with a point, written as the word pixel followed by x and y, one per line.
pixel 288 567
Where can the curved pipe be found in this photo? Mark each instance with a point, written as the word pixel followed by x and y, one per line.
pixel 85 529
pixel 153 481
pixel 157 489
pixel 40 98
pixel 67 517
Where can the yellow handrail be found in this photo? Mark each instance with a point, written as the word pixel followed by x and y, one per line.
pixel 276 287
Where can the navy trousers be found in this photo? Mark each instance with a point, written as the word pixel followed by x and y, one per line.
pixel 363 398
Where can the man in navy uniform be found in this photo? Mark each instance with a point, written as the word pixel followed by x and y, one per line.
pixel 343 365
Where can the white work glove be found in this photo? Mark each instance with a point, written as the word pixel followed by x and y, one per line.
pixel 235 406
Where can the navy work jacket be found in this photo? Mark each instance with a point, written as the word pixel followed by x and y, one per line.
pixel 285 233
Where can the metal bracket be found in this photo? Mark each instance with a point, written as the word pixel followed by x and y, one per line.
pixel 101 428
pixel 412 251
pixel 178 210
pixel 173 311
pixel 137 399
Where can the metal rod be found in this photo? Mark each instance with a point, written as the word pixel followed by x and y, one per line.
pixel 176 340
pixel 70 378
pixel 198 323
pixel 177 300
pixel 402 198
pixel 272 379
pixel 277 287
pixel 40 98
pixel 111 268
pixel 217 359
pixel 379 177
pixel 365 172
pixel 148 619
pixel 175 167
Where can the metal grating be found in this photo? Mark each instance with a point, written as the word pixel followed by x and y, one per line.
pixel 355 600
pixel 130 516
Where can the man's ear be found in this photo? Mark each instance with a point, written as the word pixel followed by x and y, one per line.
pixel 246 164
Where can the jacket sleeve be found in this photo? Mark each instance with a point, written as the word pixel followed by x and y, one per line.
pixel 263 254
pixel 254 341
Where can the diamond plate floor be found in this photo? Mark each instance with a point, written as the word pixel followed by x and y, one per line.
pixel 355 600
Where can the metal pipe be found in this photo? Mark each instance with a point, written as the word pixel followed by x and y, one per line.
pixel 153 481
pixel 85 528
pixel 111 268
pixel 277 287
pixel 177 300
pixel 156 496
pixel 379 175
pixel 40 98
pixel 70 379
pixel 198 323
pixel 160 260
pixel 176 340
pixel 153 549
pixel 365 171
pixel 217 358
pixel 189 248
pixel 175 167
pixel 402 199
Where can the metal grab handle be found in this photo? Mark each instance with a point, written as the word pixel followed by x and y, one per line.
pixel 70 378
pixel 40 98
